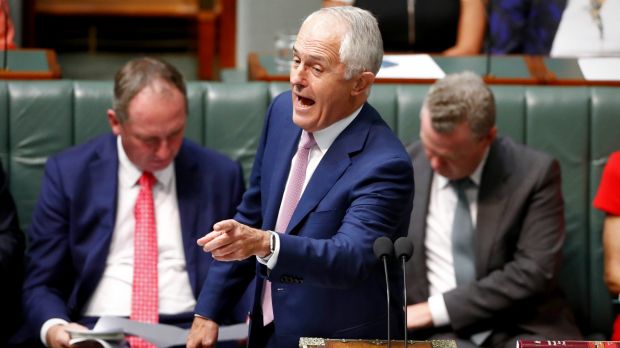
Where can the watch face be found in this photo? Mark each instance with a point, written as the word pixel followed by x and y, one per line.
pixel 272 243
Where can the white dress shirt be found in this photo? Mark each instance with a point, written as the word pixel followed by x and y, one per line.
pixel 324 139
pixel 438 241
pixel 113 293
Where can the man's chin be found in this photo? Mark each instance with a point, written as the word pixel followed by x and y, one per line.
pixel 303 121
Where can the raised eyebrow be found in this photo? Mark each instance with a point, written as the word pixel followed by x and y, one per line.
pixel 319 59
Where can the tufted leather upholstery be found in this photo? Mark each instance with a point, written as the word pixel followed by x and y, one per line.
pixel 577 125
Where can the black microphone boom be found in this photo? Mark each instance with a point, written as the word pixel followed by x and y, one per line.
pixel 404 249
pixel 383 249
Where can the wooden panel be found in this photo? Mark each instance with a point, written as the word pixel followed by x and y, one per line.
pixel 118 7
pixel 228 33
pixel 205 20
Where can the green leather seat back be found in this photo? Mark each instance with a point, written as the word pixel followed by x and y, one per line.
pixel 92 99
pixel 383 98
pixel 409 102
pixel 604 139
pixel 194 129
pixel 510 111
pixel 557 123
pixel 276 88
pixel 40 124
pixel 234 119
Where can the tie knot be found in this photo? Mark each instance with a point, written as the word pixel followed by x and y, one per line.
pixel 147 179
pixel 462 184
pixel 307 140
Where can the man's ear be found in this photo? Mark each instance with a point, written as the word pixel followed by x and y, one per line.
pixel 115 124
pixel 363 83
pixel 491 135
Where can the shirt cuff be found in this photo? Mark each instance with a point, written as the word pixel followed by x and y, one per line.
pixel 47 325
pixel 439 312
pixel 271 259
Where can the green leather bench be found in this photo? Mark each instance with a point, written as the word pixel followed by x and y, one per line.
pixel 578 125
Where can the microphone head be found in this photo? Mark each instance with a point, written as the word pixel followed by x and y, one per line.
pixel 403 248
pixel 383 247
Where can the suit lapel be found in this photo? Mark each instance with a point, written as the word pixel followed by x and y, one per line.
pixel 104 172
pixel 103 192
pixel 189 192
pixel 492 202
pixel 333 164
pixel 423 177
pixel 281 168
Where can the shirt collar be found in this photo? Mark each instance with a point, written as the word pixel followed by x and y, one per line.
pixel 132 173
pixel 325 137
pixel 476 176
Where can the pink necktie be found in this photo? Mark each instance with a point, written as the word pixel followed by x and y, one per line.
pixel 144 296
pixel 296 179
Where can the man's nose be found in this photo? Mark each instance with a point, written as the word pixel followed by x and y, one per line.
pixel 163 151
pixel 297 76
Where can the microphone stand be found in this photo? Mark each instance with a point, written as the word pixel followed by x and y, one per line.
pixel 383 247
pixel 404 250
pixel 405 297
pixel 387 289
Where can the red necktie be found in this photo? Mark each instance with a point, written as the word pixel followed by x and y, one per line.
pixel 297 177
pixel 144 296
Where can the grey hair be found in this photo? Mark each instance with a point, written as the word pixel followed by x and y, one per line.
pixel 139 73
pixel 458 98
pixel 361 48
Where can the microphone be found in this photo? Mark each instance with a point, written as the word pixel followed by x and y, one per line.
pixel 404 248
pixel 383 249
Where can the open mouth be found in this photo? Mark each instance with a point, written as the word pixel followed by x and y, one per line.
pixel 304 102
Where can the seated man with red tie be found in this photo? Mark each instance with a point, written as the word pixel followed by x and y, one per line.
pixel 114 230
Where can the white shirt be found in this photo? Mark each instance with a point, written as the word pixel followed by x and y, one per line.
pixel 113 293
pixel 438 241
pixel 578 34
pixel 324 139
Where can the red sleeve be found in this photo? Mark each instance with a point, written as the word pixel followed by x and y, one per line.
pixel 608 196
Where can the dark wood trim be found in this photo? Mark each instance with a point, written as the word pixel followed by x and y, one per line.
pixel 228 33
pixel 206 44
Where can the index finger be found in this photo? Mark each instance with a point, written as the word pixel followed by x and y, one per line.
pixel 208 237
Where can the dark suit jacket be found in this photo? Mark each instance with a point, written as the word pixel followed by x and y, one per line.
pixel 73 222
pixel 327 282
pixel 519 239
pixel 11 260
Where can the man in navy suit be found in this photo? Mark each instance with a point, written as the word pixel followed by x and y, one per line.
pixel 81 252
pixel 316 276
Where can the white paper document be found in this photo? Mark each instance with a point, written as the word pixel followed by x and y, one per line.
pixel 410 66
pixel 600 69
pixel 108 330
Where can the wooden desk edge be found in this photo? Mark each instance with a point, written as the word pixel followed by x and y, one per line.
pixel 540 76
pixel 314 342
pixel 259 73
pixel 52 62
pixel 53 71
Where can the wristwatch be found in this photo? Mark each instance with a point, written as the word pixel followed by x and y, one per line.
pixel 272 243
